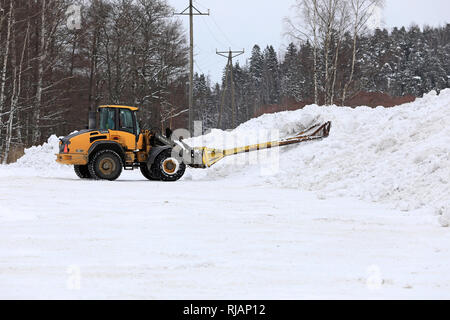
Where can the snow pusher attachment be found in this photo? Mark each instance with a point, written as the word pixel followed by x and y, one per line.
pixel 205 157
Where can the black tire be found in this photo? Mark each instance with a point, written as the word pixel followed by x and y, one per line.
pixel 82 171
pixel 146 173
pixel 105 165
pixel 164 164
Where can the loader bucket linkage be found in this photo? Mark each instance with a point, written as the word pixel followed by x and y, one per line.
pixel 211 156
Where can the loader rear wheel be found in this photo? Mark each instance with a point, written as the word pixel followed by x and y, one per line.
pixel 82 171
pixel 105 165
pixel 146 173
pixel 168 168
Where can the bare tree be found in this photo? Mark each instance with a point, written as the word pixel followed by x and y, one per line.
pixel 327 10
pixel 304 26
pixel 16 92
pixel 361 11
pixel 5 65
pixel 51 18
pixel 342 27
pixel 322 23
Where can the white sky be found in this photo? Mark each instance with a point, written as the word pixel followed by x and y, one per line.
pixel 240 24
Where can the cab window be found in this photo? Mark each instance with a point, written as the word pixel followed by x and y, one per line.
pixel 126 121
pixel 138 129
pixel 107 116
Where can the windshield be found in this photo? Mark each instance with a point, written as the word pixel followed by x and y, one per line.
pixel 107 119
pixel 126 120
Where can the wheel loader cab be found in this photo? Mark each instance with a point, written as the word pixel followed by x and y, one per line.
pixel 122 124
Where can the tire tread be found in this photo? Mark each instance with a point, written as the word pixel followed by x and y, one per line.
pixel 92 163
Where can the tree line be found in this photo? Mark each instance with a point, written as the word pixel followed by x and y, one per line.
pixel 53 71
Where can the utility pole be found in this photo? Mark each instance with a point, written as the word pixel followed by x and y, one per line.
pixel 230 55
pixel 190 12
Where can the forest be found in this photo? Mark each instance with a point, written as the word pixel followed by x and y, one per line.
pixel 60 59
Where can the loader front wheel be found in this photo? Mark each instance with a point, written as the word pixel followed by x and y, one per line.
pixel 168 168
pixel 147 173
pixel 105 165
pixel 82 172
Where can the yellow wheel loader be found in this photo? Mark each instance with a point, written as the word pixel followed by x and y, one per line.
pixel 117 143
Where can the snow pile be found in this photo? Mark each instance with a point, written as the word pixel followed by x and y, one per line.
pixel 399 156
pixel 41 158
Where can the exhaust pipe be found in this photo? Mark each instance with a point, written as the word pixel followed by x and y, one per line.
pixel 92 120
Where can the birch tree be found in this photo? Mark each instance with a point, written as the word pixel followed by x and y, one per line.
pixel 16 93
pixel 326 11
pixel 360 11
pixel 51 22
pixel 304 26
pixel 342 27
pixel 4 68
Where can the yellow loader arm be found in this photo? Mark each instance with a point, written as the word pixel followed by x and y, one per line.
pixel 210 156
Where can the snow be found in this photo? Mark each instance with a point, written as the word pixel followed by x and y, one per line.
pixel 135 239
pixel 398 156
pixel 41 158
pixel 356 215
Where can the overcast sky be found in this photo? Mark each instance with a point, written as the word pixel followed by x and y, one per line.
pixel 240 24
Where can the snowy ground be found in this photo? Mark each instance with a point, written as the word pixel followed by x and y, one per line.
pixel 352 216
pixel 201 239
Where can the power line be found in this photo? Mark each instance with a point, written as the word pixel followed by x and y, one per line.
pixel 217 25
pixel 206 62
pixel 212 34
pixel 223 33
pixel 199 68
